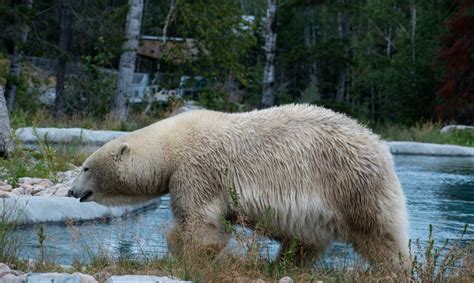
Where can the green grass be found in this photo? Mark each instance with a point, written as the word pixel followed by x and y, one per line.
pixel 42 163
pixel 449 262
pixel 425 132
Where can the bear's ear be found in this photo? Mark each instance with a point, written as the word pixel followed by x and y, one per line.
pixel 122 149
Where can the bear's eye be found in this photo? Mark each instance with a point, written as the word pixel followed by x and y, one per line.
pixel 86 169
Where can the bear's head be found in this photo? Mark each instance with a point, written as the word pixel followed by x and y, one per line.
pixel 114 176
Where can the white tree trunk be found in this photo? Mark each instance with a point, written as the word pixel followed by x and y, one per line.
pixel 310 38
pixel 342 77
pixel 413 29
pixel 268 97
pixel 6 142
pixel 127 60
pixel 15 66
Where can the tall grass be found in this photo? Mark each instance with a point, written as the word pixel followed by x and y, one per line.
pixel 450 261
pixel 425 132
pixel 43 162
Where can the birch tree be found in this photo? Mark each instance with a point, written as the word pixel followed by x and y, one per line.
pixel 15 65
pixel 268 97
pixel 127 60
pixel 64 27
pixel 6 142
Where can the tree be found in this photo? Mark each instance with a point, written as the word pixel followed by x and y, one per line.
pixel 15 66
pixel 6 142
pixel 456 92
pixel 64 28
pixel 127 60
pixel 268 97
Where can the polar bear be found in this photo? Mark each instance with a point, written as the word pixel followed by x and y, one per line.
pixel 324 177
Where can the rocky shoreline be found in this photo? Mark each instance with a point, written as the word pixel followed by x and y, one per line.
pixel 28 186
pixel 31 201
pixel 15 276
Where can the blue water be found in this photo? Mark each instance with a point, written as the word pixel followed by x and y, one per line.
pixel 439 191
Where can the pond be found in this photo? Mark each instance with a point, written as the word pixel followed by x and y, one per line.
pixel 439 191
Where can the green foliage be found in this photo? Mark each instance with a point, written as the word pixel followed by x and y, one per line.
pixel 42 163
pixel 425 132
pixel 91 91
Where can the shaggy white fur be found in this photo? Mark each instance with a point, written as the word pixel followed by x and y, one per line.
pixel 321 175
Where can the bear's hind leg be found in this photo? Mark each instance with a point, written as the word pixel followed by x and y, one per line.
pixel 299 254
pixel 382 249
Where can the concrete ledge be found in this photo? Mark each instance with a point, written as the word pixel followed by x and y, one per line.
pixel 32 210
pixel 31 137
pixel 418 148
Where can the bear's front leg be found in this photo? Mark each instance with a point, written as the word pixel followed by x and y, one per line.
pixel 196 239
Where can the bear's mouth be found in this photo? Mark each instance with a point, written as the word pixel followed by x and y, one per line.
pixel 85 196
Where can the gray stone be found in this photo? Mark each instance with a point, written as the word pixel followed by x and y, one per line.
pixel 18 191
pixel 451 128
pixel 37 189
pixel 6 188
pixel 62 192
pixel 4 268
pixel 59 278
pixel 142 278
pixel 40 209
pixel 4 194
pixel 9 278
pixel 418 148
pixel 286 279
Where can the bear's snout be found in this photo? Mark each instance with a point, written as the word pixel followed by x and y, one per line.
pixel 83 196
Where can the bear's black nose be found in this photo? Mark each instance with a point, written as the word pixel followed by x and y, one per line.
pixel 70 193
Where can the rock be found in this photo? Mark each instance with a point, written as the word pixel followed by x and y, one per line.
pixel 86 278
pixel 25 186
pixel 42 193
pixel 69 176
pixel 18 191
pixel 3 183
pixel 6 188
pixel 4 268
pixel 61 192
pixel 451 128
pixel 10 278
pixel 286 279
pixel 60 278
pixel 17 273
pixel 37 189
pixel 21 278
pixel 28 180
pixel 142 278
pixel 4 194
pixel 102 276
pixel 28 191
pixel 44 183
